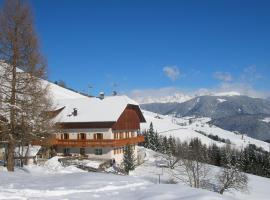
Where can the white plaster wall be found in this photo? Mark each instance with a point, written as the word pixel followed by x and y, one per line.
pixel 2 153
pixel 107 153
pixel 107 133
pixel 90 152
pixel 119 157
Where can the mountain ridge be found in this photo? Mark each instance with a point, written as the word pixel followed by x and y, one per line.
pixel 248 113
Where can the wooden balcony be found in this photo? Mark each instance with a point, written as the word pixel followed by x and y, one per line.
pixel 94 143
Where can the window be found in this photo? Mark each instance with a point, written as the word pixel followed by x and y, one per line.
pixel 132 134
pixel 121 135
pixel 98 136
pixel 66 151
pixel 82 136
pixel 98 151
pixel 66 136
pixel 82 151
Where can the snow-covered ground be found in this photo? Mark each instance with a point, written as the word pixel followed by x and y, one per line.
pixel 180 128
pixel 258 187
pixel 267 120
pixel 53 181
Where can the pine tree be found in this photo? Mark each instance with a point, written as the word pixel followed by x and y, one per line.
pixel 151 137
pixel 171 145
pixel 146 139
pixel 129 159
pixel 165 146
pixel 156 142
pixel 160 144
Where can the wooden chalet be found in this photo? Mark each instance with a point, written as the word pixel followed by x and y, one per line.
pixel 97 128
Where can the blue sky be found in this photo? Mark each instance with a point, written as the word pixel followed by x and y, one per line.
pixel 146 46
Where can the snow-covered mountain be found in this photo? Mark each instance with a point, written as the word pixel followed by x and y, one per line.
pixel 199 128
pixel 176 97
pixel 234 113
pixel 180 97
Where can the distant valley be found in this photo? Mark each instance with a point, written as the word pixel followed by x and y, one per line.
pixel 236 113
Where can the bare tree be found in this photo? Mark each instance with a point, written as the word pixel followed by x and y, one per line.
pixel 23 97
pixel 189 165
pixel 230 176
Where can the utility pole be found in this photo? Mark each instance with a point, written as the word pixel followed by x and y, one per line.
pixel 159 174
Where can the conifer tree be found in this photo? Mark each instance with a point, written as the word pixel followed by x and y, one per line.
pixel 151 137
pixel 160 143
pixel 172 145
pixel 165 146
pixel 146 139
pixel 156 142
pixel 129 159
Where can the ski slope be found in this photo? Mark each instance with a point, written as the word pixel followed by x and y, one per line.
pixel 180 128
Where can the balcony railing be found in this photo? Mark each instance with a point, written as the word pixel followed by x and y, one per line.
pixel 94 143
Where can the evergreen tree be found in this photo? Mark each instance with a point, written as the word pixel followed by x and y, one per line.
pixel 129 159
pixel 160 143
pixel 165 146
pixel 151 137
pixel 146 139
pixel 172 145
pixel 214 155
pixel 156 142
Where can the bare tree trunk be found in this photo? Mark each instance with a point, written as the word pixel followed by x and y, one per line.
pixel 26 155
pixel 221 191
pixel 10 155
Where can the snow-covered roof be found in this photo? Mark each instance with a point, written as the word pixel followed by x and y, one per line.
pixel 89 109
pixel 92 109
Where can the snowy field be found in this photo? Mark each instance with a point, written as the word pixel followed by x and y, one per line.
pixel 258 187
pixel 53 181
pixel 167 125
pixel 56 182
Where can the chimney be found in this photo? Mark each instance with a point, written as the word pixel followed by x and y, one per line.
pixel 101 95
pixel 75 112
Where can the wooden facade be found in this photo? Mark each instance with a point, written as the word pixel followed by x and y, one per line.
pixel 129 120
pixel 94 143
